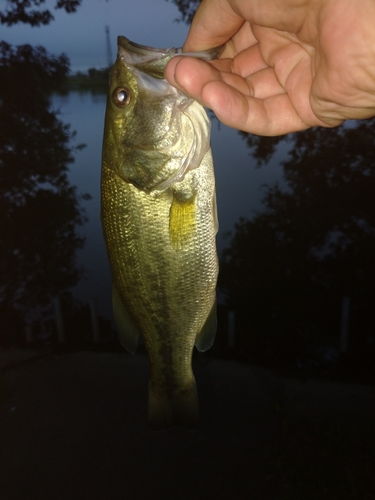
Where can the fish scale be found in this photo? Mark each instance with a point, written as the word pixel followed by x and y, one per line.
pixel 160 241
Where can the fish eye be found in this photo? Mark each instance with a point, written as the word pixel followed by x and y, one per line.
pixel 121 97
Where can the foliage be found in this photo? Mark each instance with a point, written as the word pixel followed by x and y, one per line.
pixel 187 9
pixel 94 79
pixel 29 12
pixel 287 269
pixel 39 208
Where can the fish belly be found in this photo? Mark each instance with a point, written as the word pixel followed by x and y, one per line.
pixel 163 261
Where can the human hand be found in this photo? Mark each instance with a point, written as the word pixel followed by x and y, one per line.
pixel 286 66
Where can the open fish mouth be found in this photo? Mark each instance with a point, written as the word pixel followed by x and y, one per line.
pixel 134 53
pixel 126 44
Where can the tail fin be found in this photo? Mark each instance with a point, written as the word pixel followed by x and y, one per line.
pixel 181 407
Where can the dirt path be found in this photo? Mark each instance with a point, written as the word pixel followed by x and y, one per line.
pixel 73 426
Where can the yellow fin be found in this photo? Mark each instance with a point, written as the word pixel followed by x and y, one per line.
pixel 126 331
pixel 182 221
pixel 206 336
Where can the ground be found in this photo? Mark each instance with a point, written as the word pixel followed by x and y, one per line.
pixel 73 426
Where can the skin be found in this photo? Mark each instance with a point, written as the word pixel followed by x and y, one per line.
pixel 287 65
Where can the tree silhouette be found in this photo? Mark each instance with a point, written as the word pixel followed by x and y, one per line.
pixel 30 11
pixel 288 268
pixel 187 9
pixel 39 209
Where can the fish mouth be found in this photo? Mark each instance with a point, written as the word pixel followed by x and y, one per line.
pixel 146 53
pixel 143 50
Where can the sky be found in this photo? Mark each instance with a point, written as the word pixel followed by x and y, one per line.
pixel 82 35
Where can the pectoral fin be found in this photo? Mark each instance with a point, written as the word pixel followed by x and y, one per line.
pixel 127 332
pixel 182 221
pixel 206 336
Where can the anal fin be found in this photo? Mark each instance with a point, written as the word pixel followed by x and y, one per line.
pixel 127 332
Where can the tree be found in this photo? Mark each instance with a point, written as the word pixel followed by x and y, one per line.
pixel 287 269
pixel 187 9
pixel 39 209
pixel 29 12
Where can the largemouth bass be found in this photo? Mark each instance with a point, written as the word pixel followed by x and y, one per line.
pixel 159 221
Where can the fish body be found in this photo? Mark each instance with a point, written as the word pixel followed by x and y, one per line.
pixel 159 222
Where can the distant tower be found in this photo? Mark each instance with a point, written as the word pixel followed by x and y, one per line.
pixel 109 50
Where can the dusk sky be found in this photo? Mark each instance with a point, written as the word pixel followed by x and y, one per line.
pixel 82 35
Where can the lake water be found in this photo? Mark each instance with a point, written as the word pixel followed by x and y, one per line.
pixel 239 185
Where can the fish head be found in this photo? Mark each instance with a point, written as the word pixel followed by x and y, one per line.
pixel 154 134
